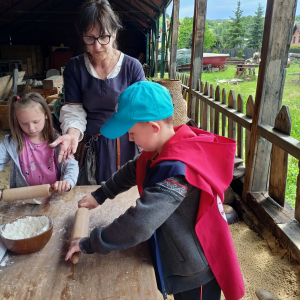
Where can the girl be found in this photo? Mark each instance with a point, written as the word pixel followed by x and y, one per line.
pixel 33 162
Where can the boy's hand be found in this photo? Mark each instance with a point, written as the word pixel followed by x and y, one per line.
pixel 74 247
pixel 61 186
pixel 88 201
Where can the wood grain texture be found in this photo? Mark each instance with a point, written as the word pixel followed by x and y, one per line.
pixel 217 114
pixel 223 116
pixel 46 275
pixel 211 110
pixel 279 159
pixel 231 123
pixel 278 26
pixel 240 130
pixel 174 39
pixel 249 114
pixel 204 123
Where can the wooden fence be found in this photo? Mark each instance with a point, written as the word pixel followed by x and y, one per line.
pixel 220 115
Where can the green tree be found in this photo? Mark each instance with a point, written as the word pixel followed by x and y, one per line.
pixel 185 34
pixel 209 38
pixel 257 29
pixel 184 31
pixel 234 36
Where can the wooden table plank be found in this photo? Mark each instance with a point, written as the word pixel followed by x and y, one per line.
pixel 126 274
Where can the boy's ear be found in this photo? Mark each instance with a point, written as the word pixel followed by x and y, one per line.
pixel 155 126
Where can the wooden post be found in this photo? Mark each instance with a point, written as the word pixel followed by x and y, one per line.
pixel 153 52
pixel 223 116
pixel 205 108
pixel 174 34
pixel 147 48
pixel 249 114
pixel 217 114
pixel 278 27
pixel 279 160
pixel 211 117
pixel 240 129
pixel 156 46
pixel 163 42
pixel 197 51
pixel 231 124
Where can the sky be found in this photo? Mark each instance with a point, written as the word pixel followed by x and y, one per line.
pixel 221 9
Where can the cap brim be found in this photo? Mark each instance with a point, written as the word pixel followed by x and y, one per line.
pixel 115 128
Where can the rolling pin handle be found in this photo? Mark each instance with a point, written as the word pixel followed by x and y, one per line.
pixel 51 190
pixel 75 258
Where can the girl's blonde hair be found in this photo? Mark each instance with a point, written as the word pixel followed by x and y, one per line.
pixel 25 101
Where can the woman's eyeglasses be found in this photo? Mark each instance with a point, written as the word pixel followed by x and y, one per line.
pixel 102 39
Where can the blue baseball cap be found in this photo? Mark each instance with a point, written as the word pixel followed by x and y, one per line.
pixel 143 101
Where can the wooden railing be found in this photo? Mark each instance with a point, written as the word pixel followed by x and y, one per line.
pixel 210 103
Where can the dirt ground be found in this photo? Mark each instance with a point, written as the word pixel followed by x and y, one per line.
pixel 263 263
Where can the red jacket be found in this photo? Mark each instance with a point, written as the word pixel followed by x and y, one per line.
pixel 209 163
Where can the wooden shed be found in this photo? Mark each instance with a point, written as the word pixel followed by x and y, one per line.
pixel 39 35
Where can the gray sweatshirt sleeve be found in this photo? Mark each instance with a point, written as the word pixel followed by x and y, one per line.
pixel 138 223
pixel 4 156
pixel 119 182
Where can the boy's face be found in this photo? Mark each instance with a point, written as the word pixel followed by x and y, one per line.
pixel 144 135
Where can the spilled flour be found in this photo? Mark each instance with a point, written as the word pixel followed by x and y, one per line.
pixel 25 228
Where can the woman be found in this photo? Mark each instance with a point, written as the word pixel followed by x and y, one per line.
pixel 93 82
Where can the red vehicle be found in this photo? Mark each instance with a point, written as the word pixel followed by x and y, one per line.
pixel 210 60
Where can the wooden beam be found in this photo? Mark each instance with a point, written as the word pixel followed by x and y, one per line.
pixel 197 50
pixel 156 46
pixel 279 159
pixel 236 116
pixel 279 22
pixel 174 34
pixel 163 41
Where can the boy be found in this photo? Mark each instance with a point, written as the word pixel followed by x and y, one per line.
pixel 181 182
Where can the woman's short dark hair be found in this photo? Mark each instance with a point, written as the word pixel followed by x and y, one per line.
pixel 98 12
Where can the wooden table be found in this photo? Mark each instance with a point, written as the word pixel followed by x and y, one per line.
pixel 242 69
pixel 120 275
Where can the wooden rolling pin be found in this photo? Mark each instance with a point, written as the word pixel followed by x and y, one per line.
pixel 28 192
pixel 80 229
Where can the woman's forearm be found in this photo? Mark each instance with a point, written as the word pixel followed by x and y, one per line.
pixel 74 132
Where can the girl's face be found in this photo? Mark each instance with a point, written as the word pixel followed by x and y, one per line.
pixel 97 50
pixel 31 120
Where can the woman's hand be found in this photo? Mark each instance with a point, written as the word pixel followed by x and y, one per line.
pixel 68 144
pixel 88 201
pixel 74 247
pixel 61 186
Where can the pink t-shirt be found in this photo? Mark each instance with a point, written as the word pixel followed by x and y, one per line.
pixel 37 163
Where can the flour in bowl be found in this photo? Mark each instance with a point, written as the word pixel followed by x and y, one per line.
pixel 26 227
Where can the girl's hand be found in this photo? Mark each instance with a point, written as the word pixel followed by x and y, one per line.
pixel 61 186
pixel 74 247
pixel 68 146
pixel 88 201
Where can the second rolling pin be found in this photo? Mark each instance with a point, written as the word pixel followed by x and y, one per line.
pixel 80 229
pixel 28 192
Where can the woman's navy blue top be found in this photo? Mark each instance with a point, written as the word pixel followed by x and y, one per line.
pixel 99 98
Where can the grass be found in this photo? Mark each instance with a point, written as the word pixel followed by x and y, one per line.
pixel 291 98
